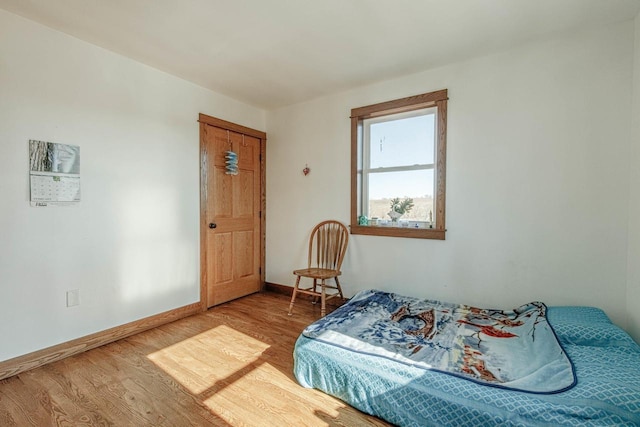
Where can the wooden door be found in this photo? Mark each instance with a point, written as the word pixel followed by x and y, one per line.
pixel 231 221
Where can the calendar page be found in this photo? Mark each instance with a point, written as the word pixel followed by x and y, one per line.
pixel 54 173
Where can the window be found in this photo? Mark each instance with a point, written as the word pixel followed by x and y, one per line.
pixel 398 154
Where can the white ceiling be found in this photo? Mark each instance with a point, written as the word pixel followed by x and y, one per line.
pixel 271 53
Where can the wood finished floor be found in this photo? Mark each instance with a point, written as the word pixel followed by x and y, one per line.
pixel 230 366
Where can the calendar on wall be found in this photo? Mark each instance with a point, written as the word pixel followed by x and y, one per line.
pixel 54 173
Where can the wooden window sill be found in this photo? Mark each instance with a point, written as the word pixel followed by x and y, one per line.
pixel 416 233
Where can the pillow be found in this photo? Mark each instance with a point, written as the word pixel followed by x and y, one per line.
pixel 588 326
pixel 576 314
pixel 596 335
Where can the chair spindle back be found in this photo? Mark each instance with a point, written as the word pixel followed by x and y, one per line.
pixel 328 245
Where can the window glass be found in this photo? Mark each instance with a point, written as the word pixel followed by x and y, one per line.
pixel 401 141
pixel 417 185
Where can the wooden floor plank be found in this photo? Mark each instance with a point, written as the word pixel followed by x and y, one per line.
pixel 229 366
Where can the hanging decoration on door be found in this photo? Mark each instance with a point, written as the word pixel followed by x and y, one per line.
pixel 231 159
pixel 231 163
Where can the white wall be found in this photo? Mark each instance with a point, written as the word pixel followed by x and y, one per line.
pixel 537 179
pixel 633 290
pixel 131 245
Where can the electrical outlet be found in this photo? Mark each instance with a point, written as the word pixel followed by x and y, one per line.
pixel 73 297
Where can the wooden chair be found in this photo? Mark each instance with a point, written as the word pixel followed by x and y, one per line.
pixel 327 247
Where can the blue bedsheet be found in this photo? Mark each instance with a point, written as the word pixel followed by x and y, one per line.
pixel 606 361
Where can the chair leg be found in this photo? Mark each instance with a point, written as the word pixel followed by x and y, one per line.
pixel 293 295
pixel 339 288
pixel 323 306
pixel 314 299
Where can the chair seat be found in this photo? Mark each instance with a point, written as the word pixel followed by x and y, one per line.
pixel 317 273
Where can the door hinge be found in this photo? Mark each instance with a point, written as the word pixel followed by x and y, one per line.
pixel 259 270
pixel 260 214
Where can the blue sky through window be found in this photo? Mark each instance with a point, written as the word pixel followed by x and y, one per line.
pixel 402 142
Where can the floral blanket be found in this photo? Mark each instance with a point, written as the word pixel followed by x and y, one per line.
pixel 514 349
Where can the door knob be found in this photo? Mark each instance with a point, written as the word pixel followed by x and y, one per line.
pixel 212 225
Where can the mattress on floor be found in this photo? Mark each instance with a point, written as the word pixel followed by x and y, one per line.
pixel 605 358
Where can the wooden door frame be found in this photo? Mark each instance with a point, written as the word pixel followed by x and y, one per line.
pixel 204 120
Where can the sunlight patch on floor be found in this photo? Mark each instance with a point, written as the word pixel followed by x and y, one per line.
pixel 203 362
pixel 242 380
pixel 258 386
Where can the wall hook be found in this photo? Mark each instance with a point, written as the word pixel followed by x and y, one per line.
pixel 306 170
